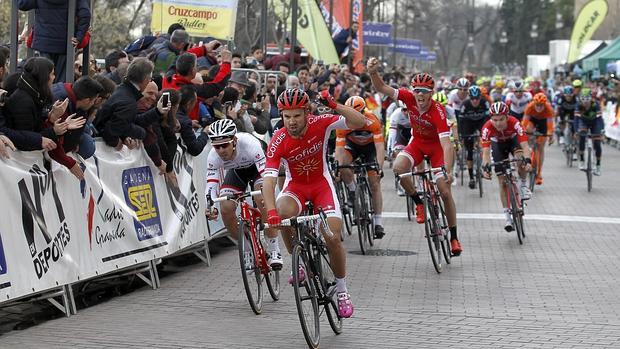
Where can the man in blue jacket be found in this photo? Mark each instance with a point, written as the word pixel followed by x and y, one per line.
pixel 50 29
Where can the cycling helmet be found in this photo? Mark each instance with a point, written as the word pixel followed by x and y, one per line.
pixel 540 98
pixel 568 90
pixel 423 80
pixel 585 98
pixel 222 129
pixel 475 92
pixel 499 84
pixel 519 86
pixel 356 102
pixel 440 98
pixel 462 83
pixel 577 83
pixel 293 98
pixel 511 85
pixel 498 108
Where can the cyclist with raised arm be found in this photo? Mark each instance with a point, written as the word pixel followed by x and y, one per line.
pixel 517 99
pixel 589 117
pixel 503 135
pixel 302 145
pixel 243 158
pixel 367 143
pixel 431 138
pixel 474 113
pixel 539 117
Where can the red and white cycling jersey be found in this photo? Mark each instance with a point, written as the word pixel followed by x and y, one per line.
pixel 429 126
pixel 304 157
pixel 491 134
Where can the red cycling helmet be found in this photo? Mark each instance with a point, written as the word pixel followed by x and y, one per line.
pixel 423 80
pixel 293 98
pixel 498 108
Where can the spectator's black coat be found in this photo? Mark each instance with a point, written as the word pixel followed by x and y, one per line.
pixel 194 144
pixel 118 118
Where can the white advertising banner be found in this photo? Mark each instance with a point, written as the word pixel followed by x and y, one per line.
pixel 611 115
pixel 57 230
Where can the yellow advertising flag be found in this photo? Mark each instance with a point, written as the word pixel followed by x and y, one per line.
pixel 214 18
pixel 311 29
pixel 590 17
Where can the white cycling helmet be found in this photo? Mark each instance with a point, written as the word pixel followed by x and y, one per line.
pixel 222 129
pixel 462 83
pixel 519 86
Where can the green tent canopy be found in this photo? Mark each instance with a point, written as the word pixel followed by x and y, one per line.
pixel 600 59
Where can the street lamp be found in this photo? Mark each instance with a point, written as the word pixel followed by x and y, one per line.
pixel 503 40
pixel 559 24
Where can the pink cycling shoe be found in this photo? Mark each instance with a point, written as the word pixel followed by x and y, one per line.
pixel 345 306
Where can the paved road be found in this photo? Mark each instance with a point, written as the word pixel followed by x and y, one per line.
pixel 558 290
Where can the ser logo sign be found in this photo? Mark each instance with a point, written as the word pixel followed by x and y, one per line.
pixel 46 246
pixel 140 196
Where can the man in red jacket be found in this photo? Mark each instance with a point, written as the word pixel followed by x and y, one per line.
pixel 186 72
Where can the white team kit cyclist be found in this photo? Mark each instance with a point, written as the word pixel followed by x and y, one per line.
pixel 243 158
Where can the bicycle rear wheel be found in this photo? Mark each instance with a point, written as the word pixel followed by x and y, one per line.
pixel 462 165
pixel 445 231
pixel 344 208
pixel 250 273
pixel 273 284
pixel 306 298
pixel 410 208
pixel 432 238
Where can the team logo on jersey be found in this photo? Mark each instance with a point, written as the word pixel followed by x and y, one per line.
pixel 307 167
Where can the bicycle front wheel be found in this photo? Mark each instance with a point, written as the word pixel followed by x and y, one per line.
pixel 370 212
pixel 479 172
pixel 432 238
pixel 306 298
pixel 589 169
pixel 360 214
pixel 445 234
pixel 250 269
pixel 328 288
pixel 514 211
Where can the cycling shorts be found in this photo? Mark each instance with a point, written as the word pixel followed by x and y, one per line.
pixel 321 193
pixel 468 127
pixel 595 126
pixel 519 116
pixel 501 150
pixel 367 152
pixel 415 152
pixel 539 124
pixel 237 180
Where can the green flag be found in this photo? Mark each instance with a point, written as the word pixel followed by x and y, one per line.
pixel 312 31
pixel 590 17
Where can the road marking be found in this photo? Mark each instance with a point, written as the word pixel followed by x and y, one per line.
pixel 528 217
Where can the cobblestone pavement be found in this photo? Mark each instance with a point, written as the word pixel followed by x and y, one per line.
pixel 558 290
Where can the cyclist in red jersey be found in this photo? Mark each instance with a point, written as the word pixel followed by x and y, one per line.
pixel 431 137
pixel 302 145
pixel 501 136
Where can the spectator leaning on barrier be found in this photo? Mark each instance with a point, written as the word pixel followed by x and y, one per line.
pixel 49 35
pixel 81 96
pixel 5 142
pixel 118 120
pixel 195 144
pixel 24 110
pixel 166 53
pixel 166 131
pixel 112 61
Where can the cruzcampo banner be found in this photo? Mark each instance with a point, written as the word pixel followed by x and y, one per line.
pixel 214 18
pixel 312 31
pixel 590 17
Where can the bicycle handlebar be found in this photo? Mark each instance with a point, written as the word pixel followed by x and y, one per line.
pixel 303 219
pixel 419 173
pixel 236 197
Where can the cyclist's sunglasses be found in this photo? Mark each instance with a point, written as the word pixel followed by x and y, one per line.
pixel 222 145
